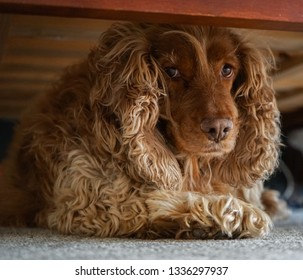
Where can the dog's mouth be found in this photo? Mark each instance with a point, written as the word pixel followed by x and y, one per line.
pixel 214 151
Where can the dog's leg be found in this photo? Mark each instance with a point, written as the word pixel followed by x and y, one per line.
pixel 90 200
pixel 87 200
pixel 266 199
pixel 274 206
pixel 95 209
pixel 192 215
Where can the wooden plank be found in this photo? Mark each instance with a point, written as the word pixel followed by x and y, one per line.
pixel 57 27
pixel 258 14
pixel 52 61
pixel 289 79
pixel 4 29
pixel 282 41
pixel 292 102
pixel 13 110
pixel 290 63
pixel 27 75
pixel 36 43
pixel 24 95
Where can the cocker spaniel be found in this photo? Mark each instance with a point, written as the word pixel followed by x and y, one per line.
pixel 163 131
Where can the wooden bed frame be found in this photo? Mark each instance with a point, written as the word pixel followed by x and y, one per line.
pixel 257 14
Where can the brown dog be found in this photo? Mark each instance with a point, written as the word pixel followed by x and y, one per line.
pixel 163 131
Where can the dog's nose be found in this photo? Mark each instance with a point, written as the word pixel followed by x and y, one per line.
pixel 216 129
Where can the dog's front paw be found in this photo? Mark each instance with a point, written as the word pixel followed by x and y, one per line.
pixel 238 219
pixel 190 215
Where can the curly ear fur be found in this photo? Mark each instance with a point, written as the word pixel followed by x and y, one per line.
pixel 129 85
pixel 257 150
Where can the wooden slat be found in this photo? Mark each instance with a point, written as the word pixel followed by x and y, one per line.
pixel 282 41
pixel 289 79
pixel 57 27
pixel 13 110
pixel 291 102
pixel 4 28
pixel 45 44
pixel 27 75
pixel 24 94
pixel 53 61
pixel 290 62
pixel 31 86
pixel 260 14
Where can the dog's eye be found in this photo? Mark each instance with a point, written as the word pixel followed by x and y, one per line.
pixel 227 71
pixel 172 72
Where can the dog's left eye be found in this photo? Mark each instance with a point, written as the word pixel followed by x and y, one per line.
pixel 172 72
pixel 227 71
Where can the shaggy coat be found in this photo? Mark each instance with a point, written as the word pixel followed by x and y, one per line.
pixel 163 131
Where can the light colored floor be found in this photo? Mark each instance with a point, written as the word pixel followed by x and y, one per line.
pixel 284 242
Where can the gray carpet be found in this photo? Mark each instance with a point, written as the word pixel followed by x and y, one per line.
pixel 284 242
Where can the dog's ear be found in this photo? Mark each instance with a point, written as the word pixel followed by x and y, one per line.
pixel 127 84
pixel 257 149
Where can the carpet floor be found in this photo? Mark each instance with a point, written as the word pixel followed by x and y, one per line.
pixel 284 242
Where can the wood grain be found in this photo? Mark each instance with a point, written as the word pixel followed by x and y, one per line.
pixel 258 14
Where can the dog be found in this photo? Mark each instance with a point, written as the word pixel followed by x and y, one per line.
pixel 163 131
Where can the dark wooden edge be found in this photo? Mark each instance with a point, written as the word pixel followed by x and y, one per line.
pixel 257 14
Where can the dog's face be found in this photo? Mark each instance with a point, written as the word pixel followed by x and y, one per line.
pixel 200 114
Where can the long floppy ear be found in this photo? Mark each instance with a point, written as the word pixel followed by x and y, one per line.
pixel 257 149
pixel 128 87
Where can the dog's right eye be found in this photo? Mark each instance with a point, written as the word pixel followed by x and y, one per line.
pixel 227 71
pixel 172 72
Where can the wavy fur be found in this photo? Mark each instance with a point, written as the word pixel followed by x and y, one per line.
pixel 117 149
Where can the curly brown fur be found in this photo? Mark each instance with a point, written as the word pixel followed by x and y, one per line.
pixel 163 131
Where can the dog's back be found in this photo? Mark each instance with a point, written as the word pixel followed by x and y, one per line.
pixel 28 171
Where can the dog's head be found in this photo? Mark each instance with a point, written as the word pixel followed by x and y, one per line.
pixel 199 109
pixel 198 92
